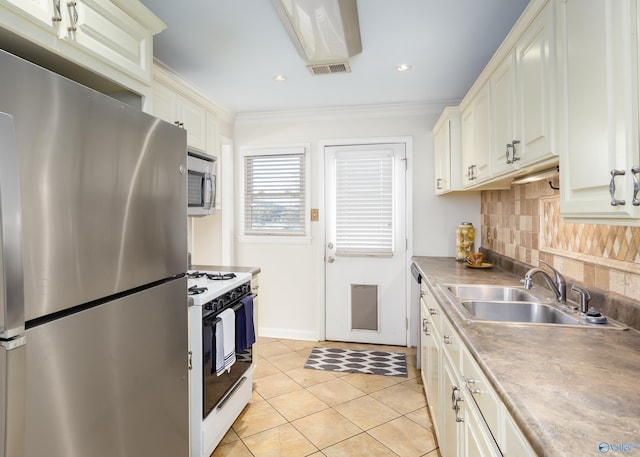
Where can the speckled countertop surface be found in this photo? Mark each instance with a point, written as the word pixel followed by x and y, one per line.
pixel 568 389
pixel 226 268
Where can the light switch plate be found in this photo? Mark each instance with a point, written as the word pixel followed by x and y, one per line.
pixel 315 214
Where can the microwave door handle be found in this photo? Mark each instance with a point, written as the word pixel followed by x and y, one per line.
pixel 212 199
pixel 208 192
pixel 11 276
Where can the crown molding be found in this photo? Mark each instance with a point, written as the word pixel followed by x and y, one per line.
pixel 346 112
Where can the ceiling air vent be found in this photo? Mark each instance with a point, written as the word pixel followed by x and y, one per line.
pixel 330 68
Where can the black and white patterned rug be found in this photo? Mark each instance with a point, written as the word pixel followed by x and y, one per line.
pixel 353 361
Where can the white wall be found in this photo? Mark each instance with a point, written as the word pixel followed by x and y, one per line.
pixel 292 278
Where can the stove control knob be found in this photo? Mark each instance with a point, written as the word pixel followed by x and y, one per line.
pixel 208 307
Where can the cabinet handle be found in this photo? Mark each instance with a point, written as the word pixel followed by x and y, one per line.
pixel 612 187
pixel 73 15
pixel 425 327
pixel 514 151
pixel 447 339
pixel 471 175
pixel 455 399
pixel 636 186
pixel 473 391
pixel 57 14
pixel 432 311
pixel 439 183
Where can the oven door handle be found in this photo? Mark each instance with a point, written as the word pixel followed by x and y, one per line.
pixel 229 394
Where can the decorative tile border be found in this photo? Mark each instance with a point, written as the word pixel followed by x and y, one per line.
pixel 524 223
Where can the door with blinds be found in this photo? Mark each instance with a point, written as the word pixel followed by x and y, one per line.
pixel 365 249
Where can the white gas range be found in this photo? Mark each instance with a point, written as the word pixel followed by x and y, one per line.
pixel 215 401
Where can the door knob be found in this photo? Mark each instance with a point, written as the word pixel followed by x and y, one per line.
pixel 331 259
pixel 330 245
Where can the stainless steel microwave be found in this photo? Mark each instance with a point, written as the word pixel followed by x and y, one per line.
pixel 201 184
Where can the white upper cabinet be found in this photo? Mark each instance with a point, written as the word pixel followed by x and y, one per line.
pixel 536 98
pixel 509 116
pixel 113 38
pixel 503 104
pixel 172 107
pixel 476 139
pixel 446 137
pixel 598 54
pixel 524 100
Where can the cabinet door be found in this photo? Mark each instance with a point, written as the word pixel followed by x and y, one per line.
pixel 503 104
pixel 430 352
pixel 449 438
pixel 515 444
pixel 476 139
pixel 107 32
pixel 165 104
pixel 194 119
pixel 478 441
pixel 42 11
pixel 433 376
pixel 442 154
pixel 536 107
pixel 599 53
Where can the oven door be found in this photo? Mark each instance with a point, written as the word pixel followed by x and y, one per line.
pixel 215 389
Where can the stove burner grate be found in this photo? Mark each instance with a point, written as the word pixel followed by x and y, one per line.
pixel 220 276
pixel 195 274
pixel 195 290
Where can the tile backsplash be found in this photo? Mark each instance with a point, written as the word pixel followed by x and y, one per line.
pixel 524 223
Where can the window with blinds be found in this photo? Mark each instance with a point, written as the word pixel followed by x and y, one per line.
pixel 275 194
pixel 364 204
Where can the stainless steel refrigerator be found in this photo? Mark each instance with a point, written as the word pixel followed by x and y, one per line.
pixel 93 242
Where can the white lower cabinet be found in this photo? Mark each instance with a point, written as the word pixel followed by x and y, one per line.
pixel 468 417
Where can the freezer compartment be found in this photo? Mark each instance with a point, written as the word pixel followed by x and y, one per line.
pixel 103 190
pixel 111 381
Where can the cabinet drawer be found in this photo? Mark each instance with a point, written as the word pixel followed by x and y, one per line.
pixel 432 314
pixel 451 343
pixel 477 386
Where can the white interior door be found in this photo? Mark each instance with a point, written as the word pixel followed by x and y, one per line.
pixel 365 249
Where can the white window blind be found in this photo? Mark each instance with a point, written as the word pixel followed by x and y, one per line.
pixel 275 194
pixel 364 203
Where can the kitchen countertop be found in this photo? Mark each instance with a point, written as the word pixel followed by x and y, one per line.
pixel 568 389
pixel 226 268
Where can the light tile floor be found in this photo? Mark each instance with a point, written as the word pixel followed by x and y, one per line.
pixel 298 412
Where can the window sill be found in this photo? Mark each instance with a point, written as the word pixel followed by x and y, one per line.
pixel 274 239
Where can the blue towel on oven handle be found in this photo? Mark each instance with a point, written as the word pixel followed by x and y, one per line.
pixel 245 329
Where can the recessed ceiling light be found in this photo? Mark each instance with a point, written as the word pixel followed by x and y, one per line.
pixel 403 67
pixel 279 78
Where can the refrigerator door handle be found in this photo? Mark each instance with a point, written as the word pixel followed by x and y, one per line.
pixel 11 276
pixel 13 385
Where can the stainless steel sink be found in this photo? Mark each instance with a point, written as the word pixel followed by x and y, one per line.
pixel 490 293
pixel 511 304
pixel 507 311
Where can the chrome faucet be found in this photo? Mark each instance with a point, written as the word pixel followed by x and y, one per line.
pixel 559 286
